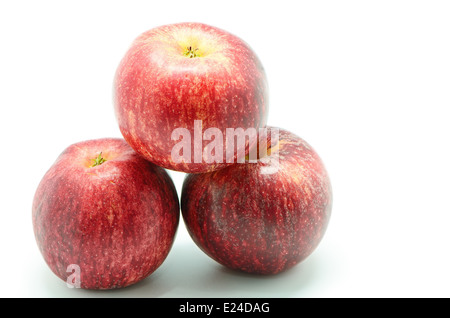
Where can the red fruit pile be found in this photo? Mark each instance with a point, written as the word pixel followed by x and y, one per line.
pixel 192 98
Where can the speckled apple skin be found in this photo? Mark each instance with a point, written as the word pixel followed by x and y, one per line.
pixel 158 89
pixel 117 221
pixel 261 223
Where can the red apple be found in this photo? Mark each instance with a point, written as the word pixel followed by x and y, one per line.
pixel 175 74
pixel 261 217
pixel 107 211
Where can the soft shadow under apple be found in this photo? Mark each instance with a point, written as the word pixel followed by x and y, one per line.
pixel 188 272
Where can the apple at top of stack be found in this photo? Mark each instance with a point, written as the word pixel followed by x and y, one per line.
pixel 193 77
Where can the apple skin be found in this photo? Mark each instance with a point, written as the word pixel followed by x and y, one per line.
pixel 157 88
pixel 261 223
pixel 116 221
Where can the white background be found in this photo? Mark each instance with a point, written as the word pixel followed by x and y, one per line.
pixel 366 83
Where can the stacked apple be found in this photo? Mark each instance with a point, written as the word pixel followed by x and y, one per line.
pixel 109 209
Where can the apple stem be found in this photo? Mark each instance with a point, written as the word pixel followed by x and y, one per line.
pixel 190 52
pixel 98 161
pixel 270 147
